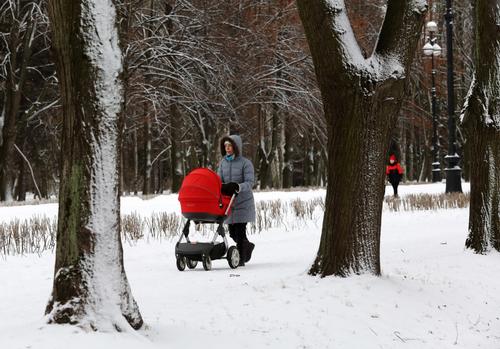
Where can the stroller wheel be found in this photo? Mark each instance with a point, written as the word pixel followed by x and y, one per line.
pixel 207 263
pixel 233 257
pixel 181 263
pixel 191 263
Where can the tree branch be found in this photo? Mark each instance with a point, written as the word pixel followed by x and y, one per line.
pixel 402 23
pixel 31 170
pixel 327 27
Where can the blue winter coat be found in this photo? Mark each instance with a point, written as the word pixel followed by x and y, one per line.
pixel 239 170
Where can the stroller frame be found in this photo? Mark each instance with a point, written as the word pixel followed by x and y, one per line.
pixel 189 253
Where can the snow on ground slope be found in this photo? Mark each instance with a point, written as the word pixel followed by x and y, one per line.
pixel 433 294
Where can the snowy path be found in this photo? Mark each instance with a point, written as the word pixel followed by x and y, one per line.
pixel 432 294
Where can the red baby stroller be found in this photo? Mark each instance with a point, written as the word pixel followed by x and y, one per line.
pixel 202 202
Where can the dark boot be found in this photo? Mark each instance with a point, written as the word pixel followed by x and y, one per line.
pixel 248 248
pixel 240 249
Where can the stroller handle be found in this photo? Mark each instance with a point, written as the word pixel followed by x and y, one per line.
pixel 230 204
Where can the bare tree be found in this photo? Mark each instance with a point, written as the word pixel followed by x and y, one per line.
pixel 23 18
pixel 173 87
pixel 361 99
pixel 196 69
pixel 28 98
pixel 481 120
pixel 90 285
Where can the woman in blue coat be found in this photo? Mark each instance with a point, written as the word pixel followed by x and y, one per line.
pixel 237 174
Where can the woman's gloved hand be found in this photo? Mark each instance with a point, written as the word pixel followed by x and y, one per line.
pixel 230 188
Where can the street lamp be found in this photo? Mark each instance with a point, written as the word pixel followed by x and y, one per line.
pixel 453 171
pixel 431 48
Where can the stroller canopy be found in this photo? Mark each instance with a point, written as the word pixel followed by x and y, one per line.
pixel 200 196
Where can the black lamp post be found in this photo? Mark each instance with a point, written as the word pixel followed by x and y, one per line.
pixel 453 171
pixel 431 48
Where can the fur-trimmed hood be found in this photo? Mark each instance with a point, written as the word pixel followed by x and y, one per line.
pixel 235 141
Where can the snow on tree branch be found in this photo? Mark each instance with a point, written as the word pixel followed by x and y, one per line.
pixel 403 19
pixel 347 44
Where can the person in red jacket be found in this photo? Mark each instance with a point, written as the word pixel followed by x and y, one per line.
pixel 394 173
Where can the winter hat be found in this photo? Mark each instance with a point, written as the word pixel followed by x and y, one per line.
pixel 392 157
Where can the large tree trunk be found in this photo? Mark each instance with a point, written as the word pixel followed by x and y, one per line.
pixel 361 99
pixel 482 125
pixel 90 286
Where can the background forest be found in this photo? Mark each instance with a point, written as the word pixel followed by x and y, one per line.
pixel 196 70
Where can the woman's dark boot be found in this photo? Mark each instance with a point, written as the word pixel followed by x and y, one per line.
pixel 248 250
pixel 241 250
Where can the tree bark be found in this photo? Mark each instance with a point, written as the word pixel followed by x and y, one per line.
pixel 146 187
pixel 268 156
pixel 90 285
pixel 481 121
pixel 411 164
pixel 176 171
pixel 361 99
pixel 136 161
pixel 402 142
pixel 287 156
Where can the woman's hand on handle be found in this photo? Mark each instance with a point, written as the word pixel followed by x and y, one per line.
pixel 230 189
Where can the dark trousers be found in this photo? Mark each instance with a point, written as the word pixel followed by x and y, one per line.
pixel 238 232
pixel 395 187
pixel 394 178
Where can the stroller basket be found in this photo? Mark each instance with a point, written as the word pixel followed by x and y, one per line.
pixel 201 198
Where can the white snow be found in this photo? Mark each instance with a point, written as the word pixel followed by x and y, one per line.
pixel 432 294
pixel 169 203
pixel 385 66
pixel 419 6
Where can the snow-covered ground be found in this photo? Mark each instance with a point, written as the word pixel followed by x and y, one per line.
pixel 432 294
